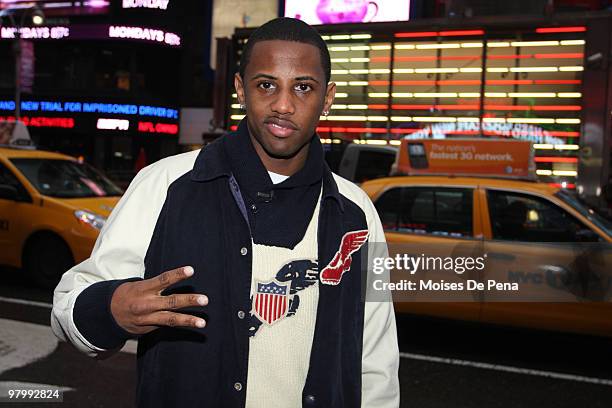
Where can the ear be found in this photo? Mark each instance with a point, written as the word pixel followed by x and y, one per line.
pixel 238 84
pixel 329 96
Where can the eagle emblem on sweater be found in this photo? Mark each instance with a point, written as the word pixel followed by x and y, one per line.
pixel 278 299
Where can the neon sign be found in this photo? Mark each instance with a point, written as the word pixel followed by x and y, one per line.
pixel 150 4
pixel 43 121
pixel 33 33
pixel 93 32
pixel 150 127
pixel 92 107
pixel 113 124
pixel 521 131
pixel 146 34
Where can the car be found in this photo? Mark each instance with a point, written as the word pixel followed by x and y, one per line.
pixel 532 234
pixel 52 207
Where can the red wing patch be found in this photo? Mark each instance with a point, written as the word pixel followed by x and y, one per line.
pixel 341 263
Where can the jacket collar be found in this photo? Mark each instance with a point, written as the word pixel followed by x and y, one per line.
pixel 234 154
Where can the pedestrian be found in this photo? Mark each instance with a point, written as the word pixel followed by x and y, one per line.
pixel 239 267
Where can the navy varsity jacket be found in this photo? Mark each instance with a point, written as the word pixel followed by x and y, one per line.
pixel 202 209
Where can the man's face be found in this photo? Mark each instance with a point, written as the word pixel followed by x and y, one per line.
pixel 285 92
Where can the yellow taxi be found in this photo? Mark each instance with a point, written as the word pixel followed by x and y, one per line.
pixel 52 208
pixel 535 236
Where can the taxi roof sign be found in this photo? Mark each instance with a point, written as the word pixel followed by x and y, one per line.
pixel 504 158
pixel 15 134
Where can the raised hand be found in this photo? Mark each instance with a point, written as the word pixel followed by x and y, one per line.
pixel 139 308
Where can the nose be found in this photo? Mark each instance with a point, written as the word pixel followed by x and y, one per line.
pixel 283 103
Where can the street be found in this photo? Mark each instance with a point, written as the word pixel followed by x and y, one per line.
pixel 443 364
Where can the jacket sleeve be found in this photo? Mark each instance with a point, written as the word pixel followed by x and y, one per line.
pixel 81 301
pixel 380 356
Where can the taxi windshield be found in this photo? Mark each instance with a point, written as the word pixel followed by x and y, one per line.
pixel 66 178
pixel 586 211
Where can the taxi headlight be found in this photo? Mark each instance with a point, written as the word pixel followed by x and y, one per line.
pixel 92 219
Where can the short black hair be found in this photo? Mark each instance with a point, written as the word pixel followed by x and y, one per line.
pixel 287 29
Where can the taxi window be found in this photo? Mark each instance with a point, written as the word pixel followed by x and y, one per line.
pixel 8 178
pixel 524 217
pixel 440 211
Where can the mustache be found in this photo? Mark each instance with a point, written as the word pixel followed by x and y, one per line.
pixel 286 123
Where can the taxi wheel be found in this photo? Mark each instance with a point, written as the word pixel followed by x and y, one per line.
pixel 46 258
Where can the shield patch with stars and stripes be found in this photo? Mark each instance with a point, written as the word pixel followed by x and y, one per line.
pixel 271 301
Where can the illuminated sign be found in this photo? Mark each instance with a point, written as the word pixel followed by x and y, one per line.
pixel 521 131
pixel 145 34
pixel 92 107
pixel 42 121
pixel 54 33
pixel 347 11
pixel 60 8
pixel 150 4
pixel 150 127
pixel 94 32
pixel 113 124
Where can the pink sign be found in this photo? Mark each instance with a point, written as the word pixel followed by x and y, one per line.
pixel 347 11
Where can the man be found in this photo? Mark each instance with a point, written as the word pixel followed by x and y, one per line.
pixel 239 266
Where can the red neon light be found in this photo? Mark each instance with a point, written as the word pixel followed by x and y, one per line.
pixel 378 106
pixel 559 133
pixel 414 35
pixel 510 56
pixel 441 33
pixel 556 160
pixel 417 82
pixel 455 132
pixel 233 128
pixel 535 107
pixel 150 127
pixel 509 82
pixel 547 30
pixel 558 185
pixel 557 81
pixel 461 32
pixel 563 55
pixel 43 121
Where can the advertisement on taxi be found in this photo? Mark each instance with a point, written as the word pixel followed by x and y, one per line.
pixel 491 157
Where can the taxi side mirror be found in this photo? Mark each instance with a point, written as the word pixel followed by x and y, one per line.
pixel 8 192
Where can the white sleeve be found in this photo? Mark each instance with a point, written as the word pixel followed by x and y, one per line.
pixel 380 357
pixel 120 248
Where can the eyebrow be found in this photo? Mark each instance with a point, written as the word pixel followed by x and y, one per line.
pixel 300 78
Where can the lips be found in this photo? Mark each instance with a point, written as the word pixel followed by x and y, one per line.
pixel 280 127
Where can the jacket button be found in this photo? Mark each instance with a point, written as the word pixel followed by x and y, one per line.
pixel 238 386
pixel 241 314
pixel 243 251
pixel 310 400
pixel 253 208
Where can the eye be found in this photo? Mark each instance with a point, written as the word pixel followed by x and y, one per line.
pixel 303 88
pixel 266 86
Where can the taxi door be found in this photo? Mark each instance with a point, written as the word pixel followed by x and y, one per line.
pixel 548 267
pixel 12 218
pixel 432 221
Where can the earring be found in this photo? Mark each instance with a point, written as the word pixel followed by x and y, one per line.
pixel 325 113
pixel 242 106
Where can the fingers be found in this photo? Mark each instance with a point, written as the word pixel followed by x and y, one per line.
pixel 172 319
pixel 174 302
pixel 168 278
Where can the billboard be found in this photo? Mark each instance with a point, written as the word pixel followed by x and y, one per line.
pixel 347 11
pixel 60 8
pixel 484 157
